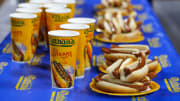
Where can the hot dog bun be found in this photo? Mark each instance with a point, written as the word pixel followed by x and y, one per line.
pixel 110 84
pixel 111 87
pixel 111 68
pixel 135 76
pixel 128 69
pixel 132 46
pixel 153 65
pixel 127 36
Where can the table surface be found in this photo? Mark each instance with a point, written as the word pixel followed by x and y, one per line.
pixel 32 81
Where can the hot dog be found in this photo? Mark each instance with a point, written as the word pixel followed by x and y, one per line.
pixel 114 11
pixel 109 84
pixel 115 28
pixel 62 78
pixel 128 69
pixel 127 77
pixel 18 54
pixel 124 51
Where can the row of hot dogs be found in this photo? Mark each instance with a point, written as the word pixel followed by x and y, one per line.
pixel 117 21
pixel 127 67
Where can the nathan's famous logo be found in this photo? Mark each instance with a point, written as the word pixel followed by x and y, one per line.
pixel 59 95
pixel 62 42
pixel 97 60
pixel 17 23
pixel 173 84
pixel 58 18
pixel 25 82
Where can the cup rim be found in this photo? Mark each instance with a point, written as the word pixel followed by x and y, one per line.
pixel 65 1
pixel 54 5
pixel 82 20
pixel 58 10
pixel 29 5
pixel 28 10
pixel 63 33
pixel 39 1
pixel 23 15
pixel 71 26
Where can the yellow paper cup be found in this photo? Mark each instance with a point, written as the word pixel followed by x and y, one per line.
pixel 22 25
pixel 56 17
pixel 82 46
pixel 35 36
pixel 70 4
pixel 91 23
pixel 63 49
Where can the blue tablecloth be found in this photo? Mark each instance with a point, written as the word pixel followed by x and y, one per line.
pixel 32 82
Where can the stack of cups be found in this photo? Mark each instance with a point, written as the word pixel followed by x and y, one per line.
pixel 22 31
pixel 82 53
pixel 91 23
pixel 83 30
pixel 46 5
pixel 52 23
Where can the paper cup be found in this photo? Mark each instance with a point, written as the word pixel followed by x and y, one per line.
pixel 35 36
pixel 22 25
pixel 91 23
pixel 82 46
pixel 70 4
pixel 56 17
pixel 63 52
